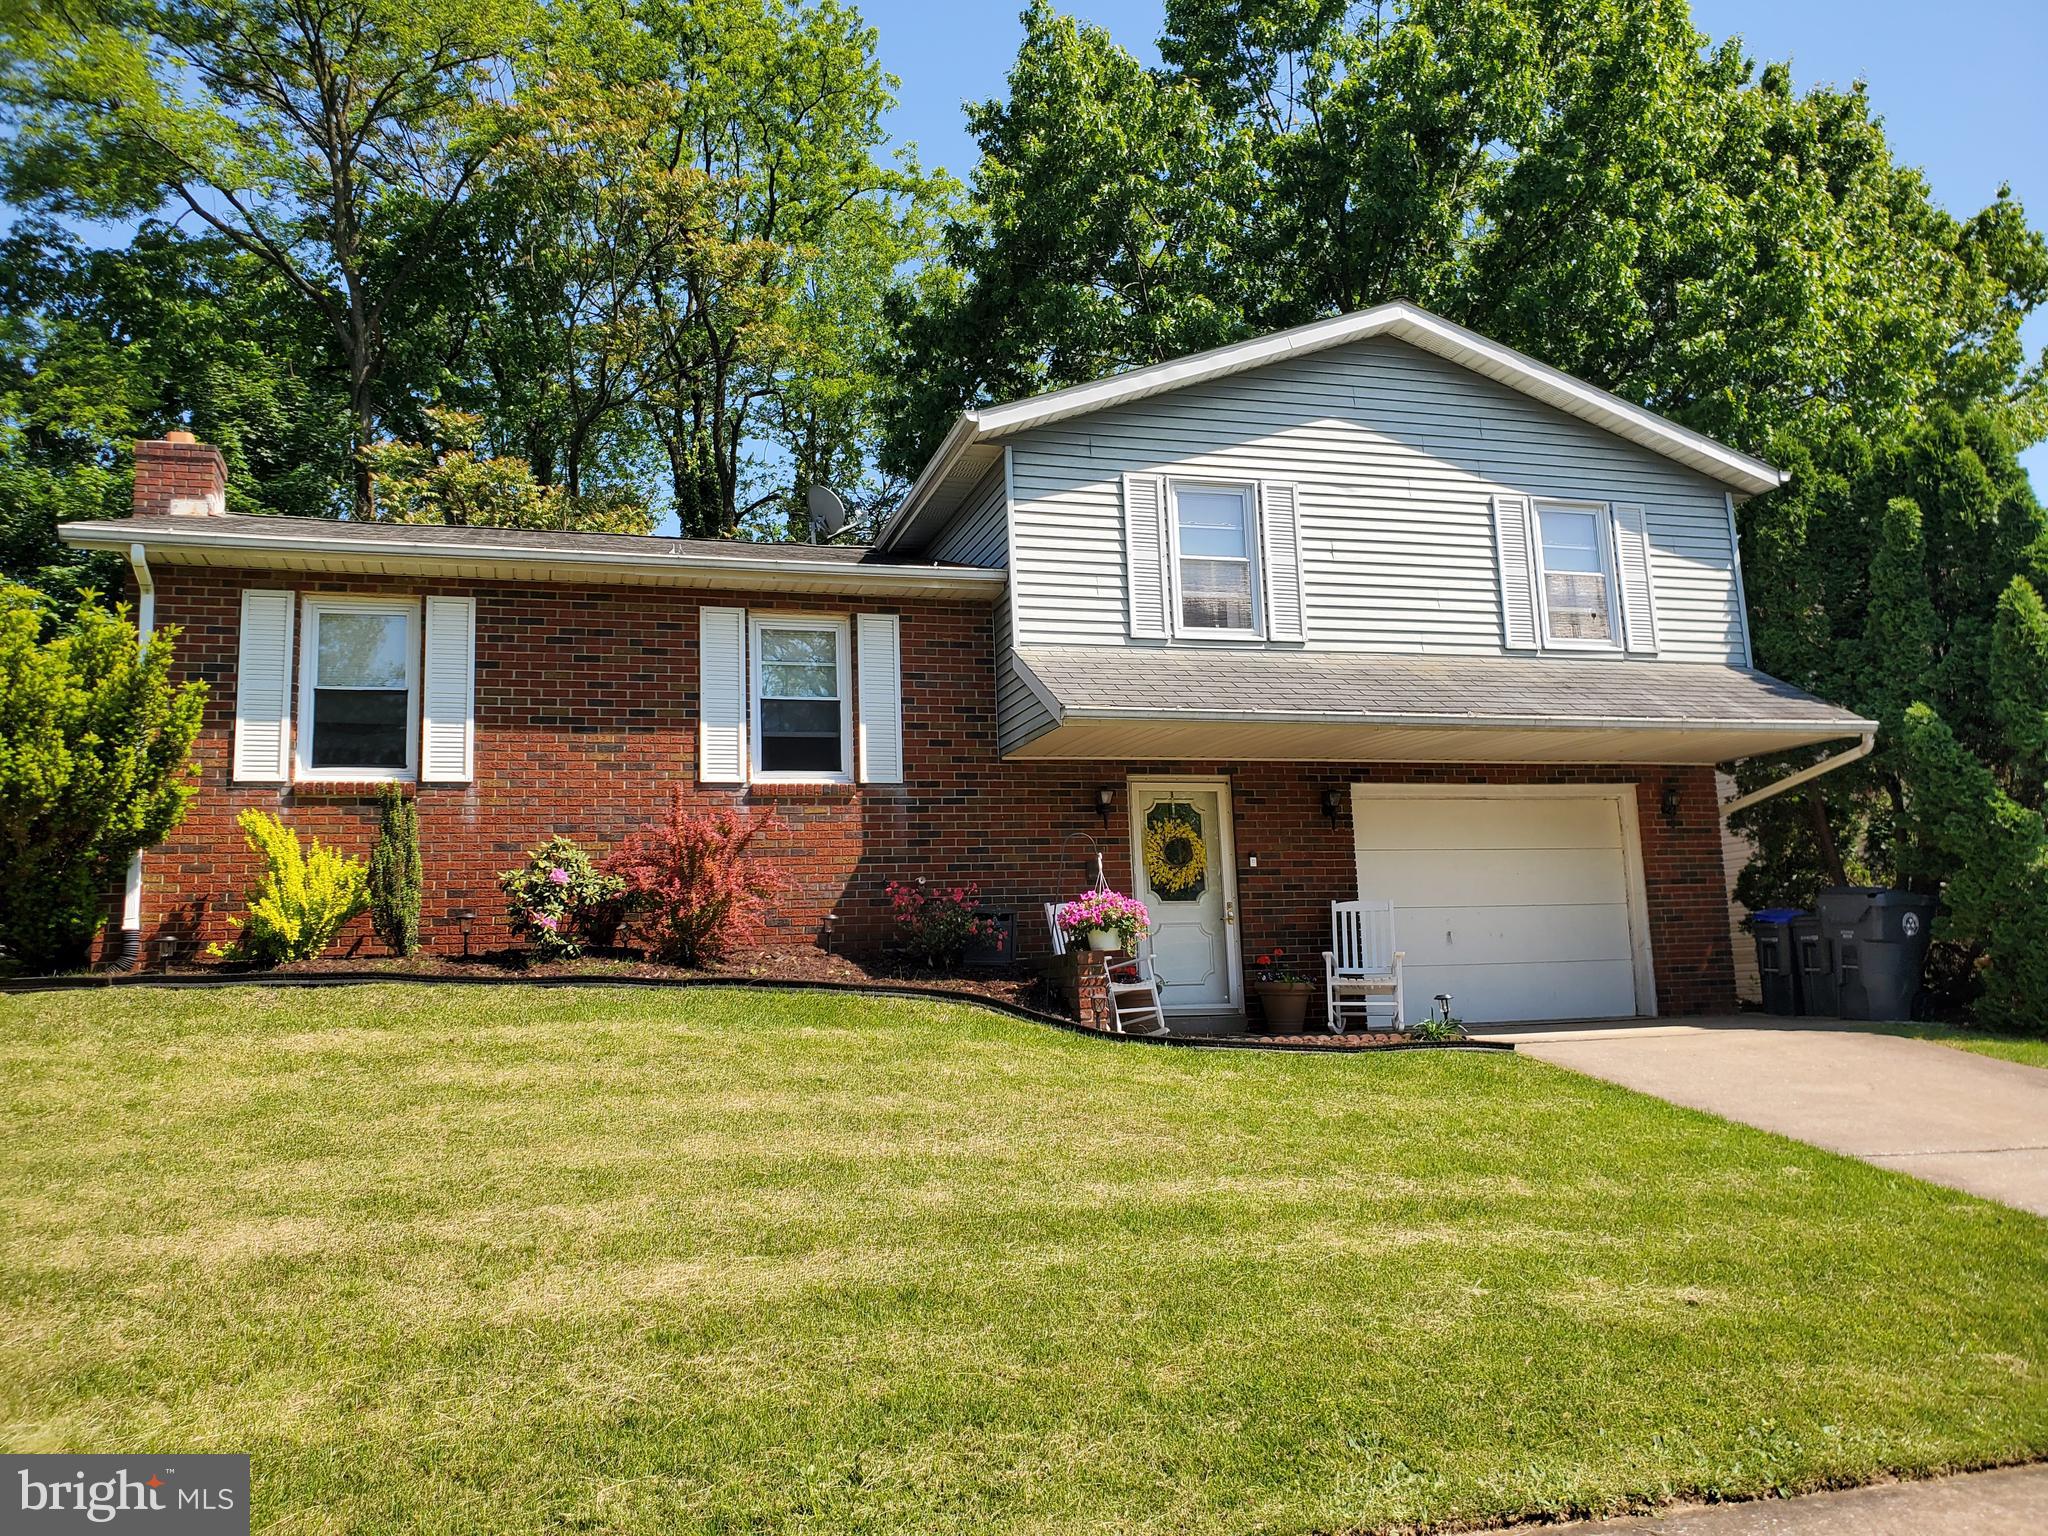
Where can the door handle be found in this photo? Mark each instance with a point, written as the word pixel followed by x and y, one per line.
pixel 1229 911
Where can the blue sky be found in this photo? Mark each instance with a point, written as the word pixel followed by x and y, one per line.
pixel 1960 86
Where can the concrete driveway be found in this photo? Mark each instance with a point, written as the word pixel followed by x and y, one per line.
pixel 1953 1117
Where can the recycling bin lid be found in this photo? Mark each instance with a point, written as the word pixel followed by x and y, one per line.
pixel 1778 914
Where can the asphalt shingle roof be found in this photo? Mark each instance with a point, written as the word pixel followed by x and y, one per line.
pixel 1190 682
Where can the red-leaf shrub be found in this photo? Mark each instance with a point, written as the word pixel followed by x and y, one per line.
pixel 693 892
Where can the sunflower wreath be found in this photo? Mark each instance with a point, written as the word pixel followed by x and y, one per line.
pixel 1175 856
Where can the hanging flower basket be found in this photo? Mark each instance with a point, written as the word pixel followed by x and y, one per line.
pixel 1104 920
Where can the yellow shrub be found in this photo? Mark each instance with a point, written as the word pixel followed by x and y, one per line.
pixel 304 897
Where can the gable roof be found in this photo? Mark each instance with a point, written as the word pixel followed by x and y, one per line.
pixel 972 445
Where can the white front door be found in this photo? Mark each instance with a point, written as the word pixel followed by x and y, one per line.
pixel 1186 877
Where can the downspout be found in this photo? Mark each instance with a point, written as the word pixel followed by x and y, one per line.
pixel 131 896
pixel 1804 776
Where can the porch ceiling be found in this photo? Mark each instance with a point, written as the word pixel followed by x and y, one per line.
pixel 1184 703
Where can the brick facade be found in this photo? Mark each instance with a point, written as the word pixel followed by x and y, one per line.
pixel 585 708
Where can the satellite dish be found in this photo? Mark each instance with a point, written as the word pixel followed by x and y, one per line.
pixel 827 512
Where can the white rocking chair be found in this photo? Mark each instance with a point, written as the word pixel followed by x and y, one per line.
pixel 1362 969
pixel 1133 988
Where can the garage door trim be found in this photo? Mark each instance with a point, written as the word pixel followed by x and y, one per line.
pixel 1624 798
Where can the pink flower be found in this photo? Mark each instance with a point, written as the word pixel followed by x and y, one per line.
pixel 547 920
pixel 558 877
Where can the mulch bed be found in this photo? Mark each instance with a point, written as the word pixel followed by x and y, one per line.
pixel 1020 985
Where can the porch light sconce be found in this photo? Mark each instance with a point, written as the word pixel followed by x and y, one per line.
pixel 465 918
pixel 1105 800
pixel 1331 802
pixel 1671 805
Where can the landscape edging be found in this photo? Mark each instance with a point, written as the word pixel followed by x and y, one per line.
pixel 113 979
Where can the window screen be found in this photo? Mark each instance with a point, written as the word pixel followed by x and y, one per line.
pixel 802 722
pixel 362 698
pixel 1576 579
pixel 1217 574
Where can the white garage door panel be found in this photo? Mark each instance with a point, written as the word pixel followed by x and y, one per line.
pixel 1506 994
pixel 1452 877
pixel 1513 935
pixel 1522 906
pixel 1462 823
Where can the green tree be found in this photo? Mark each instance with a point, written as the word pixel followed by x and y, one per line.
pixel 99 347
pixel 456 482
pixel 2019 687
pixel 1997 895
pixel 94 744
pixel 333 144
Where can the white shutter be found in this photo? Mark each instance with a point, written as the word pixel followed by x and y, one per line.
pixel 879 649
pixel 1632 560
pixel 722 695
pixel 1145 585
pixel 448 692
pixel 1280 541
pixel 263 688
pixel 1513 544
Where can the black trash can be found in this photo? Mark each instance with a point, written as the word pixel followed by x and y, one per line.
pixel 1880 942
pixel 1813 957
pixel 1775 962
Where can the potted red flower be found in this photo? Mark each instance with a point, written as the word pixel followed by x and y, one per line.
pixel 1284 991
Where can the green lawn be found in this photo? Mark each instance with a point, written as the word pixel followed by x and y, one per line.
pixel 619 1261
pixel 2025 1050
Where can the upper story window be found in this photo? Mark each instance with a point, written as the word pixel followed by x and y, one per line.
pixel 1576 548
pixel 802 731
pixel 359 688
pixel 1215 559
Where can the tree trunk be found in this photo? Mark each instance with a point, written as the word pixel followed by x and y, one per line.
pixel 1824 834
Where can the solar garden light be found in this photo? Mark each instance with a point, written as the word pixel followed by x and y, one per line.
pixel 1443 1005
pixel 464 918
pixel 167 949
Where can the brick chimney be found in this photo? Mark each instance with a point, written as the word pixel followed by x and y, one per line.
pixel 179 476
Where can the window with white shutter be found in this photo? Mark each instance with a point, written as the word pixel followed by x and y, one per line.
pixel 263 688
pixel 448 692
pixel 722 695
pixel 1632 566
pixel 1145 551
pixel 878 638
pixel 1280 537
pixel 1513 548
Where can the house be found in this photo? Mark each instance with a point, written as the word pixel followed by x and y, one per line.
pixel 1373 606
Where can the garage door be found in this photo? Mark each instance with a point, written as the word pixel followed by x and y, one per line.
pixel 1518 906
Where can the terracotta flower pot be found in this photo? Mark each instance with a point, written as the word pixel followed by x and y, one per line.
pixel 1286 1005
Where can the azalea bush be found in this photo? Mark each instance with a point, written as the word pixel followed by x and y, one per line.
pixel 560 902
pixel 1108 911
pixel 693 888
pixel 936 924
pixel 302 899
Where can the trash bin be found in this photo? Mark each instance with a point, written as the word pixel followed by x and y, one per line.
pixel 1813 957
pixel 1880 941
pixel 1775 964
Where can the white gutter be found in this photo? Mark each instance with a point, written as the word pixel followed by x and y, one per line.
pixel 131 893
pixel 849 573
pixel 1805 775
pixel 1455 722
pixel 963 432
